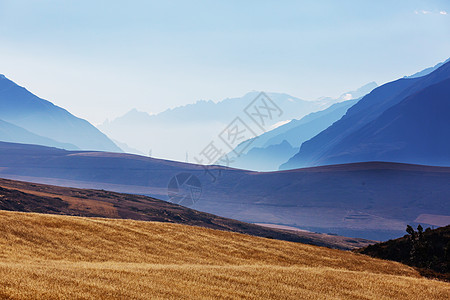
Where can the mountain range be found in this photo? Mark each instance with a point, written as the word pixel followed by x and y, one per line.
pixel 344 190
pixel 402 121
pixel 29 119
pixel 269 150
pixel 187 130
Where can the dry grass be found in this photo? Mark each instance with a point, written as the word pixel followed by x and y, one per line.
pixel 48 256
pixel 80 204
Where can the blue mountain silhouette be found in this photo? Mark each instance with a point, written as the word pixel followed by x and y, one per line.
pixel 21 108
pixel 402 121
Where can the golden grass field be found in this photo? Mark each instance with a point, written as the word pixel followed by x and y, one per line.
pixel 63 257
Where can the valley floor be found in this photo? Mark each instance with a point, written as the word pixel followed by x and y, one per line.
pixel 56 257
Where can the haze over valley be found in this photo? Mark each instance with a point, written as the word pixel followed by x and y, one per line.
pixel 225 150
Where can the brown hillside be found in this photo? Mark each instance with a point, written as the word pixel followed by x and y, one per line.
pixel 30 197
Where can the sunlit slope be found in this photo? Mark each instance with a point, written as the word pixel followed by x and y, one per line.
pixel 49 256
pixel 28 197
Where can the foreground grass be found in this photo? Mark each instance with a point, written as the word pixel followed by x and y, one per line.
pixel 47 256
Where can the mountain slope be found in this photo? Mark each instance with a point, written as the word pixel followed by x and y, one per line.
pixel 264 159
pixel 312 124
pixel 317 150
pixel 275 147
pixel 21 108
pixel 414 131
pixel 15 134
pixel 359 93
pixel 428 70
pixel 371 200
pixel 47 256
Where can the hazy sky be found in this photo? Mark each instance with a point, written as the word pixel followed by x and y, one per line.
pixel 99 59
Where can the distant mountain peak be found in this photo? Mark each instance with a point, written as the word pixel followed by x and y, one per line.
pixel 428 70
pixel 371 84
pixel 350 95
pixel 362 91
pixel 252 92
pixel 135 111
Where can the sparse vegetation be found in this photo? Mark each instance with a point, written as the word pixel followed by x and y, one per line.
pixel 54 257
pixel 428 250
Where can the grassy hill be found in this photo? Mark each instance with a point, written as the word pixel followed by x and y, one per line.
pixel 30 197
pixel 51 256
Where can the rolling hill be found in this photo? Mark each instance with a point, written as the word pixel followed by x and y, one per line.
pixel 21 108
pixel 380 126
pixel 28 197
pixel 372 200
pixel 53 257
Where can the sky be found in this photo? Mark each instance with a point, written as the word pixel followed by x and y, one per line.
pixel 100 59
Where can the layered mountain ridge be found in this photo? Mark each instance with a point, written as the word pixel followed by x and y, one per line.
pixel 422 105
pixel 55 125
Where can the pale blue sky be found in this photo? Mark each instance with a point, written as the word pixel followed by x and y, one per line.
pixel 99 59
